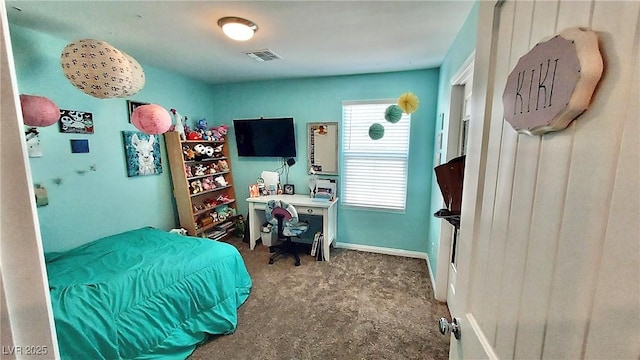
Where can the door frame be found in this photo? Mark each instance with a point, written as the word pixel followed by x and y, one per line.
pixel 26 307
pixel 463 76
pixel 474 343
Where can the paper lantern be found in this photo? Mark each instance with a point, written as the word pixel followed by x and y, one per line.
pixel 393 114
pixel 38 110
pixel 100 70
pixel 408 102
pixel 376 131
pixel 151 119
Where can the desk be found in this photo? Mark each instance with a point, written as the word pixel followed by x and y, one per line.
pixel 305 206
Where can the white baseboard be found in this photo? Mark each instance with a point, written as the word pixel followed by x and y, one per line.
pixel 382 250
pixel 433 280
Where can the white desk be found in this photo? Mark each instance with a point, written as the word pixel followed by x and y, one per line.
pixel 305 206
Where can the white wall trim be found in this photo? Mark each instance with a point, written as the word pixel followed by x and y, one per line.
pixel 465 72
pixel 382 250
pixel 433 282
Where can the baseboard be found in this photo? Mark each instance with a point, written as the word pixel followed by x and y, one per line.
pixel 433 280
pixel 382 250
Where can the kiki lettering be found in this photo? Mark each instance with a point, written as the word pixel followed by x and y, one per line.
pixel 544 91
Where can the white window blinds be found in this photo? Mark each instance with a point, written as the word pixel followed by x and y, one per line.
pixel 375 171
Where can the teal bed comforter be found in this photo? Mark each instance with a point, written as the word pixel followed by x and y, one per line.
pixel 144 294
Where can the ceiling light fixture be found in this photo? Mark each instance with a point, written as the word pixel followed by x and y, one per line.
pixel 237 28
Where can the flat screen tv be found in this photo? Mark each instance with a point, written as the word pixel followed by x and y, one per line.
pixel 273 137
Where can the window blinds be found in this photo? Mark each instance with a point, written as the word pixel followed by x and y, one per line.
pixel 375 171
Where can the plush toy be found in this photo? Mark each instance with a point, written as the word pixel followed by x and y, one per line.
pixel 196 187
pixel 187 171
pixel 202 124
pixel 218 149
pixel 220 181
pixel 200 152
pixel 214 216
pixel 207 184
pixel 188 153
pixel 223 129
pixel 200 170
pixel 209 150
pixel 210 202
pixel 180 231
pixel 223 165
pixel 216 135
pixel 213 168
pixel 208 136
pixel 194 135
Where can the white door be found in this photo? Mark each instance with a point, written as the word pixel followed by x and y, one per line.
pixel 548 261
pixel 26 309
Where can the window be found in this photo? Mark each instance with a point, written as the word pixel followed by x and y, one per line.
pixel 375 171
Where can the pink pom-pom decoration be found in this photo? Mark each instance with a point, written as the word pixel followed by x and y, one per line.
pixel 38 110
pixel 151 119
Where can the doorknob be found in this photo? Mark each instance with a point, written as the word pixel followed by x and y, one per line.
pixel 453 327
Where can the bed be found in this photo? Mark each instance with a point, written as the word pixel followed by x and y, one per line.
pixel 144 294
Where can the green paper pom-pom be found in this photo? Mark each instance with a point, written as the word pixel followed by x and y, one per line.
pixel 376 131
pixel 393 114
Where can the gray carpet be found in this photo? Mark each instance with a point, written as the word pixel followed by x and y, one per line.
pixel 358 306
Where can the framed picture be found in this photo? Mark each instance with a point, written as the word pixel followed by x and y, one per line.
pixel 289 189
pixel 75 122
pixel 132 105
pixel 254 191
pixel 142 153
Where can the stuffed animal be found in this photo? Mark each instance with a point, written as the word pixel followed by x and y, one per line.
pixel 213 168
pixel 223 165
pixel 220 181
pixel 216 135
pixel 200 170
pixel 218 150
pixel 196 187
pixel 188 153
pixel 180 231
pixel 207 184
pixel 200 152
pixel 202 124
pixel 223 129
pixel 194 135
pixel 187 171
pixel 214 216
pixel 208 135
pixel 209 151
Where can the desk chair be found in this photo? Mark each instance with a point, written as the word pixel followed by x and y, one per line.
pixel 285 217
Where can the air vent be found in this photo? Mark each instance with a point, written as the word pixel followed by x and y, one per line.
pixel 263 55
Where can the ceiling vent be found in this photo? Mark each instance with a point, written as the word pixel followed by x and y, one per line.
pixel 263 55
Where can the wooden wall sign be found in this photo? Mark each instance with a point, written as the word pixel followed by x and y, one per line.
pixel 553 83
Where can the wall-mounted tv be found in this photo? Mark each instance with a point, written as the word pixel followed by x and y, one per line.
pixel 273 137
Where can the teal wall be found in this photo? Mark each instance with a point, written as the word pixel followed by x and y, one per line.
pixel 458 53
pixel 320 99
pixel 86 204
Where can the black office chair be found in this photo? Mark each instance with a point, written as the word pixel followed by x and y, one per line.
pixel 285 217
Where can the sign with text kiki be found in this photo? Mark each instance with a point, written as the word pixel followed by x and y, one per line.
pixel 553 83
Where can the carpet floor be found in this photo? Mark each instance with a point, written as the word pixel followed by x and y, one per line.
pixel 358 306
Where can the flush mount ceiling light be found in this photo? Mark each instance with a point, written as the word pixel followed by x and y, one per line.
pixel 237 28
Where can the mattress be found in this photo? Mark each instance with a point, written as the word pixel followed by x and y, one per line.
pixel 144 294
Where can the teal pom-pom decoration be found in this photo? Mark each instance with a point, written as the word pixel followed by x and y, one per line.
pixel 376 131
pixel 393 114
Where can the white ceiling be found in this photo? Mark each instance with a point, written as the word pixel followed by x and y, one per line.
pixel 314 38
